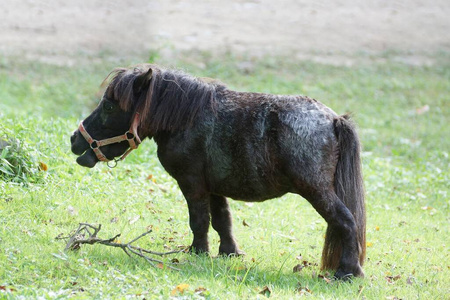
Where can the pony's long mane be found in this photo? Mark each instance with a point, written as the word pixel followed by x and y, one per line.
pixel 172 101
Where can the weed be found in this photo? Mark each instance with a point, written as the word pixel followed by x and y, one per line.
pixel 17 163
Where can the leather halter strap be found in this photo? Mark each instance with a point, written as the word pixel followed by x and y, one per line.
pixel 131 136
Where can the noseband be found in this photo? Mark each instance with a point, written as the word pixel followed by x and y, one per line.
pixel 131 136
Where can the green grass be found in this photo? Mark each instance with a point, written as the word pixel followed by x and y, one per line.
pixel 405 164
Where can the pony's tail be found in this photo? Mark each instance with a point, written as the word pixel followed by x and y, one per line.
pixel 349 187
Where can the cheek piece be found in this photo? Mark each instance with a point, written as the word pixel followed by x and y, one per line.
pixel 131 136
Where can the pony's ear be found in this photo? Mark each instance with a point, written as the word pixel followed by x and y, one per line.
pixel 142 81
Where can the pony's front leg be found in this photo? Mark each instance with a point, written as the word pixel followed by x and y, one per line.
pixel 199 218
pixel 197 198
pixel 222 222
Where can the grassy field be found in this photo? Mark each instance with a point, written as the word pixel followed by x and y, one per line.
pixel 402 112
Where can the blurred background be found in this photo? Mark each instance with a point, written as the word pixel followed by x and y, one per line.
pixel 325 31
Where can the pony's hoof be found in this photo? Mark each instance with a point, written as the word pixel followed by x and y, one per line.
pixel 348 276
pixel 198 250
pixel 234 253
pixel 343 277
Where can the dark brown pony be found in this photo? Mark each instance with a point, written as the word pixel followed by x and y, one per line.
pixel 221 143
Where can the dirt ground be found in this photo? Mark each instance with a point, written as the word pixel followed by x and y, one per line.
pixel 55 30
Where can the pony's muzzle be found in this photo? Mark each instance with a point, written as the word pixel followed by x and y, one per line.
pixel 78 146
pixel 73 137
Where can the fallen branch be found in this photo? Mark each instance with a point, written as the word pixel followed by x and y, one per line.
pixel 87 234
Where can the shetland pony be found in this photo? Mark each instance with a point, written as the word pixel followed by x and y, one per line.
pixel 220 143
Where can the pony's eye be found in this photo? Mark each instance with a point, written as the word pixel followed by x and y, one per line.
pixel 108 106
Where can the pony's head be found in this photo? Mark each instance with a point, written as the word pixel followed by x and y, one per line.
pixel 141 102
pixel 112 129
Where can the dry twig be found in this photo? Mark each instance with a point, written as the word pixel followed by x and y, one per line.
pixel 87 234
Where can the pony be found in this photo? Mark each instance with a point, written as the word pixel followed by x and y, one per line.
pixel 218 143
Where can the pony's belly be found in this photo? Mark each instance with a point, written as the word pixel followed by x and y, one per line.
pixel 246 190
pixel 256 198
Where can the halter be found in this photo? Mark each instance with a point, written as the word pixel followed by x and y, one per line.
pixel 131 136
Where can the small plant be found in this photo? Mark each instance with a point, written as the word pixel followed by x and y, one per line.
pixel 16 163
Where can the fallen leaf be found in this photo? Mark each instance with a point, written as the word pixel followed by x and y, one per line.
pixel 160 266
pixel 307 263
pixel 49 221
pixel 422 110
pixel 327 280
pixel 245 223
pixel 391 279
pixel 238 268
pixel 134 219
pixel 162 188
pixel 72 211
pixel 42 166
pixel 265 291
pixel 149 177
pixel 201 291
pixel 427 208
pixel 291 238
pixel 27 232
pixel 360 290
pixel 298 268
pixel 425 248
pixel 437 268
pixel 181 288
pixel 303 290
pixel 61 256
pixel 7 289
pixel 409 280
pixel 114 220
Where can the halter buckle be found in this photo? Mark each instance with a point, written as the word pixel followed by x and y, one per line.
pixel 92 145
pixel 129 135
pixel 114 163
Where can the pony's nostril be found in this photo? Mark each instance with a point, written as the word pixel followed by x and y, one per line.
pixel 73 137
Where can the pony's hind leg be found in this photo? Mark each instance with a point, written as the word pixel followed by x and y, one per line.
pixel 341 251
pixel 222 222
